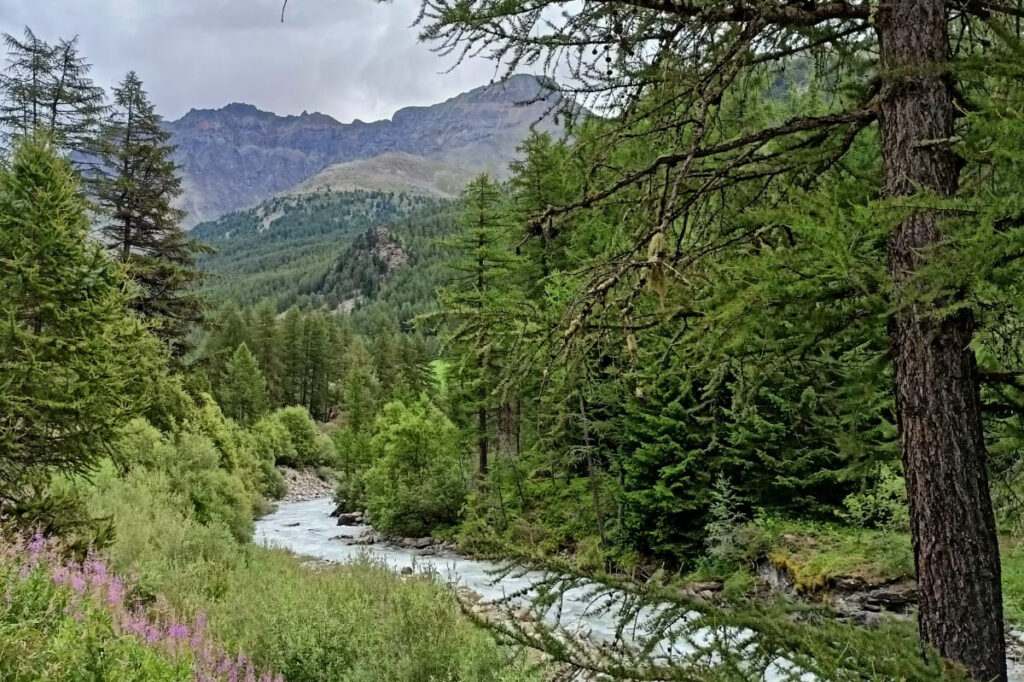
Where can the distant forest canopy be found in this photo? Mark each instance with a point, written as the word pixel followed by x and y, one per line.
pixel 284 248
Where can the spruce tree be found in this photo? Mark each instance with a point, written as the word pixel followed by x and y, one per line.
pixel 47 88
pixel 74 361
pixel 134 185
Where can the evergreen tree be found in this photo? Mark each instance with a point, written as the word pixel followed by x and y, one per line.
pixel 134 185
pixel 268 347
pixel 294 344
pixel 481 262
pixel 229 332
pixel 74 362
pixel 47 88
pixel 243 394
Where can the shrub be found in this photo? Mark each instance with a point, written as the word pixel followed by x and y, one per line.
pixel 215 494
pixel 883 505
pixel 310 448
pixel 418 479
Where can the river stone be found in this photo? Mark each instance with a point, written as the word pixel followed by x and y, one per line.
pixel 349 518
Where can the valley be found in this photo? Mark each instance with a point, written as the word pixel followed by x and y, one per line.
pixel 683 343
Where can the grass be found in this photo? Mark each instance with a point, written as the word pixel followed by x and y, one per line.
pixel 351 623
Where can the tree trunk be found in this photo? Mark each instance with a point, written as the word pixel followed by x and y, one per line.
pixel 937 399
pixel 481 414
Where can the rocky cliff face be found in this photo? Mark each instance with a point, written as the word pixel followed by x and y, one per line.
pixel 238 155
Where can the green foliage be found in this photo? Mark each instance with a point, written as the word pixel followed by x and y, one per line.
pixel 310 447
pixel 50 633
pixel 881 505
pixel 243 395
pixel 74 363
pixel 417 481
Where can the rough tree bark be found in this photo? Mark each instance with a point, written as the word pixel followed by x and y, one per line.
pixel 481 466
pixel 937 396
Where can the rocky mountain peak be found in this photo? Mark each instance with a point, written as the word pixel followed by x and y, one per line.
pixel 238 155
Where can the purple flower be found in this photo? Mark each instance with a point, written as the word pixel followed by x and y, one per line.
pixel 37 544
pixel 176 631
pixel 115 592
pixel 78 584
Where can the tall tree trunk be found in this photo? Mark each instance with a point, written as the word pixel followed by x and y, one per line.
pixel 937 398
pixel 481 415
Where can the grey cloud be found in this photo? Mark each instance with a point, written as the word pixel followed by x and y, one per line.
pixel 347 58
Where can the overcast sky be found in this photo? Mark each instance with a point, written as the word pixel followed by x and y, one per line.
pixel 347 58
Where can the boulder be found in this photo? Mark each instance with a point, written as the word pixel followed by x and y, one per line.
pixel 349 518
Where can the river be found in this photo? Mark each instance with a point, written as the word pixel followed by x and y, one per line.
pixel 307 528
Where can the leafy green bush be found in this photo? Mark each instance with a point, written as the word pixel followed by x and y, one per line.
pixel 194 467
pixel 215 494
pixel 309 447
pixel 418 479
pixel 882 505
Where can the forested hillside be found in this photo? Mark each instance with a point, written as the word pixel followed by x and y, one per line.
pixel 282 248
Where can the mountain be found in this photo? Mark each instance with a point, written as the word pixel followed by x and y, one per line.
pixel 390 172
pixel 238 155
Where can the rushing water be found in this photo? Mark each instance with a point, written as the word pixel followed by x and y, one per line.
pixel 307 528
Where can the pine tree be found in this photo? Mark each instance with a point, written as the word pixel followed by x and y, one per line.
pixel 47 88
pixel 134 185
pixel 74 362
pixel 243 394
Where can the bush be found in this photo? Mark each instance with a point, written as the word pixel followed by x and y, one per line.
pixel 194 465
pixel 883 505
pixel 309 447
pixel 418 479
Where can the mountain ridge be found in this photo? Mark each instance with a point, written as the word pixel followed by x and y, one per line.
pixel 236 156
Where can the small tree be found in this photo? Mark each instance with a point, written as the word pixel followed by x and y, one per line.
pixel 243 395
pixel 417 481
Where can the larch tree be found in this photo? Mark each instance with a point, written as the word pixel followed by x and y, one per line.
pixel 47 88
pixel 481 262
pixel 134 185
pixel 902 75
pixel 243 394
